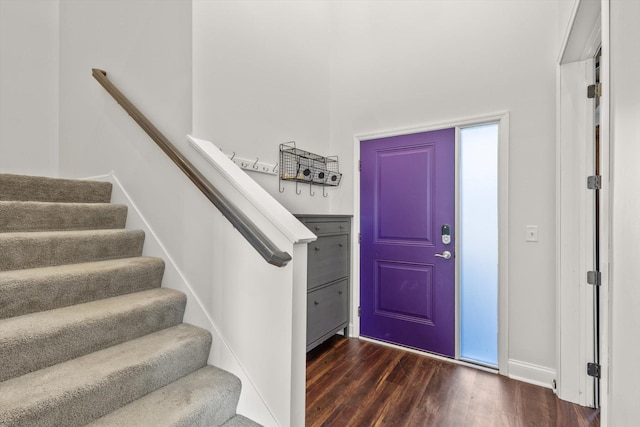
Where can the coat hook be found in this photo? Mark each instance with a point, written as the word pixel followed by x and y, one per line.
pixel 275 168
pixel 324 194
pixel 255 165
pixel 298 191
pixel 311 190
pixel 234 154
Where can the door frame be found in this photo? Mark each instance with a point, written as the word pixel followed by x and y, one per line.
pixel 574 233
pixel 502 119
pixel 588 30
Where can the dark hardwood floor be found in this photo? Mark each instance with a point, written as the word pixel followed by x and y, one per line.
pixel 353 383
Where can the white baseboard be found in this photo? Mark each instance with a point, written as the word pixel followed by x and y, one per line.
pixel 532 374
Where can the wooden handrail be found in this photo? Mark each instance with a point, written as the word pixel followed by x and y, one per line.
pixel 265 247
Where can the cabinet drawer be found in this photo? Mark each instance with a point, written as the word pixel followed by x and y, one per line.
pixel 328 260
pixel 328 227
pixel 327 309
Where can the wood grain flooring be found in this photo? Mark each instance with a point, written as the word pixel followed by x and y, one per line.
pixel 353 383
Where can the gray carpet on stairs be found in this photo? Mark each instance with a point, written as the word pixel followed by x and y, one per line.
pixel 38 289
pixel 87 335
pixel 41 189
pixel 37 340
pixel 35 216
pixel 88 387
pixel 191 401
pixel 47 248
pixel 240 421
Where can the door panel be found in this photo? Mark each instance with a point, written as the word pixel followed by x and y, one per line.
pixel 407 195
pixel 399 172
pixel 404 291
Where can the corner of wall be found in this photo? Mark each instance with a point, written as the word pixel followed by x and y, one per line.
pixel 532 374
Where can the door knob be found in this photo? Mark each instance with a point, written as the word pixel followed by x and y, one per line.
pixel 445 255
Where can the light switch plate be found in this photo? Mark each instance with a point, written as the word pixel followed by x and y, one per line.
pixel 532 233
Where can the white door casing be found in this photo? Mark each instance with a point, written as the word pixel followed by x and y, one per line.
pixel 587 32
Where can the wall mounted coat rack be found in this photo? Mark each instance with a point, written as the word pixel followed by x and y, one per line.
pixel 254 165
pixel 309 168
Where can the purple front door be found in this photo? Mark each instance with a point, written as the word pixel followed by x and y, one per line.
pixel 407 204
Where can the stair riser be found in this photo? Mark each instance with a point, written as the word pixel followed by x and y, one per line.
pixel 39 189
pixel 31 216
pixel 29 291
pixel 28 344
pixel 32 250
pixel 77 405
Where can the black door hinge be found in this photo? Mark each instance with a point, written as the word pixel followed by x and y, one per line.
pixel 594 278
pixel 593 370
pixel 358 311
pixel 594 91
pixel 594 182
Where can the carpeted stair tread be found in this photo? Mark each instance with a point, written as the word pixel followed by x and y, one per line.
pixel 38 340
pixel 38 289
pixel 47 248
pixel 46 216
pixel 205 398
pixel 240 421
pixel 43 189
pixel 84 389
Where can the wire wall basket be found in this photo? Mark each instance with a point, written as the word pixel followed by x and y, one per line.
pixel 302 166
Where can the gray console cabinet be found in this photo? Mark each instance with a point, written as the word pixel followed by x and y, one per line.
pixel 328 276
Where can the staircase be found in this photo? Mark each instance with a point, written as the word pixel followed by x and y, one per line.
pixel 87 335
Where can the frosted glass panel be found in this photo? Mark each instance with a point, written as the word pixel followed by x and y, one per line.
pixel 479 244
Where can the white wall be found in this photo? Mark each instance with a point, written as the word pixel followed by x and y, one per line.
pixel 406 64
pixel 261 78
pixel 322 72
pixel 565 8
pixel 29 87
pixel 625 136
pixel 145 47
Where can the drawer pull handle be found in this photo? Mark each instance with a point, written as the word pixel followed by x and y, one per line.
pixel 340 244
pixel 316 303
pixel 316 248
pixel 317 228
pixel 339 292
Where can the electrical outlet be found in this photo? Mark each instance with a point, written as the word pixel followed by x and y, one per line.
pixel 532 233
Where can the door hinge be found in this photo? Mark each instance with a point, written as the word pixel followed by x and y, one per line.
pixel 359 312
pixel 594 278
pixel 594 91
pixel 359 165
pixel 593 370
pixel 359 238
pixel 594 182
